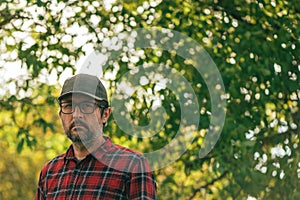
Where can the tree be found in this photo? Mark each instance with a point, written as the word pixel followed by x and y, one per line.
pixel 254 44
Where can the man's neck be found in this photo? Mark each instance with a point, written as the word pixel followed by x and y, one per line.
pixel 81 149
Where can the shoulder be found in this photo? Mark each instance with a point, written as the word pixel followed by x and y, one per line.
pixel 112 149
pixel 53 165
pixel 128 151
pixel 122 158
pixel 55 161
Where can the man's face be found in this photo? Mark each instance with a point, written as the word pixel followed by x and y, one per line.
pixel 81 127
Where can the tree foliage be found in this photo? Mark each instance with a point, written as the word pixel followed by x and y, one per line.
pixel 255 45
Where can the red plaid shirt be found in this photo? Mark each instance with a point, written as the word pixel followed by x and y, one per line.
pixel 111 172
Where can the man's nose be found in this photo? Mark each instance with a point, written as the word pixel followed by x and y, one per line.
pixel 77 112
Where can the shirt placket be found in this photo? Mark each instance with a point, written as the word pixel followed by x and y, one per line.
pixel 74 181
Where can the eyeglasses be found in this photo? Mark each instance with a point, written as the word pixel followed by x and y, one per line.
pixel 85 107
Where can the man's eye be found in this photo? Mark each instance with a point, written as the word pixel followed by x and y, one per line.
pixel 87 105
pixel 67 105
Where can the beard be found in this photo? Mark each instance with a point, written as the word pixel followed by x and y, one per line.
pixel 83 135
pixel 87 138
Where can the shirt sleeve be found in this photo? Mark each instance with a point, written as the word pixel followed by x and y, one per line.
pixel 142 184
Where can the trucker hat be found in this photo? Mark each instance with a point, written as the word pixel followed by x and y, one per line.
pixel 84 84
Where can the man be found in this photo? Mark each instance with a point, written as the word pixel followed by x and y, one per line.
pixel 93 167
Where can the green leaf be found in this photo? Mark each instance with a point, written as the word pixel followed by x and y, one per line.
pixel 20 145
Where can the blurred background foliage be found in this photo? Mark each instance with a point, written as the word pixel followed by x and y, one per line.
pixel 254 43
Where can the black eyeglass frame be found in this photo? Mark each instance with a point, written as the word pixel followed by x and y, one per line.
pixel 74 105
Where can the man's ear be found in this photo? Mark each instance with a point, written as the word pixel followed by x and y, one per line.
pixel 106 114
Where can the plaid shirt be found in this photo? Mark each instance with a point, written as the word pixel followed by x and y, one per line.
pixel 110 172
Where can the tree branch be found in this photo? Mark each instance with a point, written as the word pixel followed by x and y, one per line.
pixel 208 184
pixel 7 19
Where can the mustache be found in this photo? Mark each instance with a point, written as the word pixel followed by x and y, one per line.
pixel 78 122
